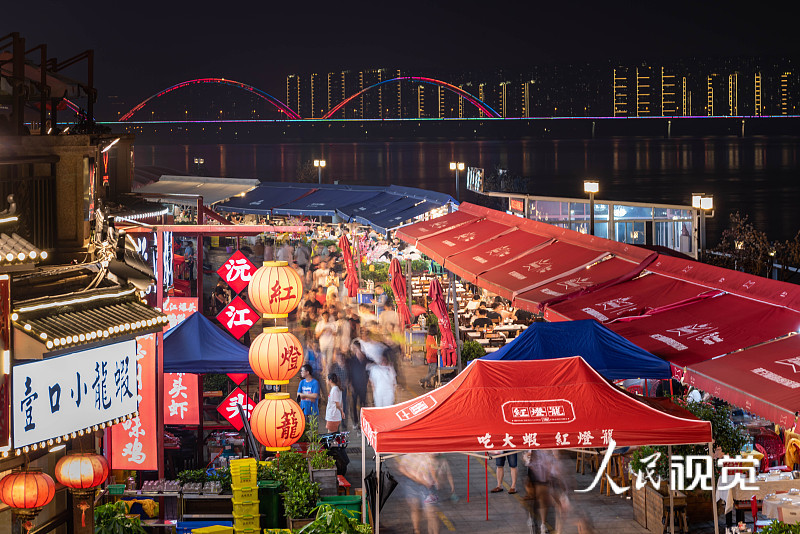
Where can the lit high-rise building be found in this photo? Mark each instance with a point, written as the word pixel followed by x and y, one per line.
pixel 733 94
pixel 620 92
pixel 669 93
pixel 293 93
pixel 784 102
pixel 757 98
pixel 644 91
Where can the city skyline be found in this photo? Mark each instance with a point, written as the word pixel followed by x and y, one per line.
pixel 160 44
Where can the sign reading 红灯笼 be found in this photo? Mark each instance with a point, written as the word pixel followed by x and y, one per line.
pixel 57 396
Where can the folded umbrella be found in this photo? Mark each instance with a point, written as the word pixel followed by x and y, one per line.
pixel 351 282
pixel 439 309
pixel 399 288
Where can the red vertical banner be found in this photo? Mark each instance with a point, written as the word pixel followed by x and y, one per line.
pixel 133 442
pixel 181 399
pixel 5 360
pixel 178 308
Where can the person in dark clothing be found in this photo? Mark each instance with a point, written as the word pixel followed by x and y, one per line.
pixel 356 365
pixel 481 321
pixel 494 313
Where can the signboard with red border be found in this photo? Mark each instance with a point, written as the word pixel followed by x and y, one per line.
pixel 229 408
pixel 237 317
pixel 237 271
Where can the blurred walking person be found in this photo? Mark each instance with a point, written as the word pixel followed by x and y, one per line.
pixel 384 380
pixel 419 489
pixel 333 411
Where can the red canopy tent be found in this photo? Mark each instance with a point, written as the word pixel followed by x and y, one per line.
pixel 460 238
pixel 414 232
pixel 515 405
pixel 763 380
pixel 471 263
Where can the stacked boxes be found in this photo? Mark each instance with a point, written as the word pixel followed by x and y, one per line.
pixel 246 518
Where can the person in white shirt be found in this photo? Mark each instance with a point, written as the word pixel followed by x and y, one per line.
pixel 325 332
pixel 333 410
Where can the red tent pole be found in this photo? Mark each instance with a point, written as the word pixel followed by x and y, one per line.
pixel 468 462
pixel 486 471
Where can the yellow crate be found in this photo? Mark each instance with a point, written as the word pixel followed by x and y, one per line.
pixel 245 493
pixel 245 507
pixel 277 531
pixel 244 472
pixel 216 529
pixel 246 521
pixel 248 531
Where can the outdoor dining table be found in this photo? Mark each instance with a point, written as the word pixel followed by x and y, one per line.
pixel 763 486
pixel 782 506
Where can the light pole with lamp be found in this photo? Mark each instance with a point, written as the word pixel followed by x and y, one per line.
pixel 457 166
pixel 591 187
pixel 703 204
pixel 319 164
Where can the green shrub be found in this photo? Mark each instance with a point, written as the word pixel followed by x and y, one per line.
pixel 778 527
pixel 112 518
pixel 300 496
pixel 471 350
pixel 330 520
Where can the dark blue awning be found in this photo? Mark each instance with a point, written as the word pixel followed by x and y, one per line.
pixel 265 197
pixel 323 202
pixel 393 220
pixel 371 205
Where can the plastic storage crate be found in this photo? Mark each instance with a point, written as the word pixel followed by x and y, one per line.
pixel 244 472
pixel 245 493
pixel 215 529
pixel 245 507
pixel 246 521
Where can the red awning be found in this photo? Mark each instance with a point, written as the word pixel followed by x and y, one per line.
pixel 421 230
pixel 764 380
pixel 547 404
pixel 539 267
pixel 730 281
pixel 465 236
pixel 707 328
pixel 611 271
pixel 630 298
pixel 491 254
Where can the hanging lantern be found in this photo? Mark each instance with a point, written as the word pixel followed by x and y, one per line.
pixel 275 290
pixel 277 422
pixel 28 491
pixel 276 355
pixel 81 471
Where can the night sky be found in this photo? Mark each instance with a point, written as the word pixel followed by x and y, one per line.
pixel 144 46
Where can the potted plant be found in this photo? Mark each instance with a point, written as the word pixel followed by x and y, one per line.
pixel 113 518
pixel 471 350
pixel 779 527
pixel 322 468
pixel 299 499
pixel 330 520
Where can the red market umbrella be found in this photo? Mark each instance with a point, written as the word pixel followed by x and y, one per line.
pixel 439 309
pixel 351 282
pixel 399 288
pixel 417 310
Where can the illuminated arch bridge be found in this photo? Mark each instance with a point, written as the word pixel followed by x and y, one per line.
pixel 482 106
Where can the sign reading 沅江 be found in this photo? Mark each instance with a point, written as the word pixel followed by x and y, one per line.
pixel 237 271
pixel 68 393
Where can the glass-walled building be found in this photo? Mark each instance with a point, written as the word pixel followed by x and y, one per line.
pixel 663 225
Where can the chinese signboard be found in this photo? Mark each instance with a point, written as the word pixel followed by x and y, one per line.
pixel 237 378
pixel 237 317
pixel 178 308
pixel 5 341
pixel 538 411
pixel 134 444
pixel 516 205
pixel 237 271
pixel 475 179
pixel 61 395
pixel 229 408
pixel 181 397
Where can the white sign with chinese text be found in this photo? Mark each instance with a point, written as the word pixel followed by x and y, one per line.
pixel 57 396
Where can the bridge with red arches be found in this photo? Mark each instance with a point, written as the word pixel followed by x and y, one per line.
pixel 291 114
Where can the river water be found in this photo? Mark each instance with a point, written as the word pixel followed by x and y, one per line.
pixel 756 176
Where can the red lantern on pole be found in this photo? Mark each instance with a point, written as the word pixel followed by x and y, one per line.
pixel 277 422
pixel 82 472
pixel 28 491
pixel 276 355
pixel 275 290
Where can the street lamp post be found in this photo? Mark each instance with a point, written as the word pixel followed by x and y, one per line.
pixel 319 164
pixel 457 166
pixel 591 187
pixel 703 204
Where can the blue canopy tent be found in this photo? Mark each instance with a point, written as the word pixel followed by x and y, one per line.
pixel 608 353
pixel 266 196
pixel 387 221
pixel 199 346
pixel 324 201
pixel 378 202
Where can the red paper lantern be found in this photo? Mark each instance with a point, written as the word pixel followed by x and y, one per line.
pixel 27 490
pixel 82 471
pixel 276 355
pixel 277 422
pixel 276 289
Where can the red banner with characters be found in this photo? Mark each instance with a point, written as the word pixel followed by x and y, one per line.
pixel 181 399
pixel 178 308
pixel 133 442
